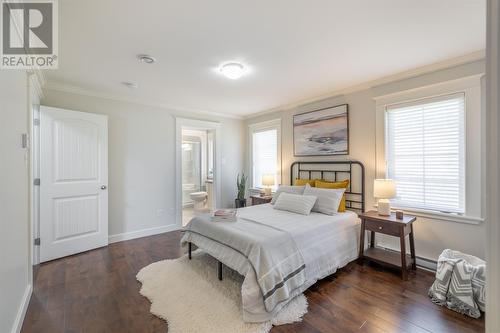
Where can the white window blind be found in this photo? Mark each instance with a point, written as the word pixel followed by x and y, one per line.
pixel 264 155
pixel 425 153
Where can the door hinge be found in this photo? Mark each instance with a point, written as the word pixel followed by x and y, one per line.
pixel 37 241
pixel 36 122
pixel 36 182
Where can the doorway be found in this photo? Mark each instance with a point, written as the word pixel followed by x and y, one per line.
pixel 197 168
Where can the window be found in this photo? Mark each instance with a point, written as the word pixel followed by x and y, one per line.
pixel 265 140
pixel 210 154
pixel 425 153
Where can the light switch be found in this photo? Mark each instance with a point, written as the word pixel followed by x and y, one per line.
pixel 25 141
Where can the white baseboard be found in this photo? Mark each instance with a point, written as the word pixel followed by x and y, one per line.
pixel 141 233
pixel 18 322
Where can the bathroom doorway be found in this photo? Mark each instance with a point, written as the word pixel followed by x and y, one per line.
pixel 196 168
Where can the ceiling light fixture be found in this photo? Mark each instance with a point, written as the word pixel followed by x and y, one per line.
pixel 232 70
pixel 131 85
pixel 147 59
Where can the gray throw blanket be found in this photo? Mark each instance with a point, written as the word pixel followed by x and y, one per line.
pixel 270 250
pixel 460 283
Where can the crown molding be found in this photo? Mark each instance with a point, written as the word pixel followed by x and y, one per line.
pixel 63 87
pixel 449 63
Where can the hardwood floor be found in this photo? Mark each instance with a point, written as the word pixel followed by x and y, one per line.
pixel 96 291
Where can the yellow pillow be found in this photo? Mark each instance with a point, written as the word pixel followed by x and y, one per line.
pixel 329 184
pixel 303 182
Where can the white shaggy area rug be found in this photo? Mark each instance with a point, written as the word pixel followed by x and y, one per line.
pixel 188 295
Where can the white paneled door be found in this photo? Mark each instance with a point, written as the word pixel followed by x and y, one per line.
pixel 73 182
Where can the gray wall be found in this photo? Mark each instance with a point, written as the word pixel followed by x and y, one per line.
pixel 432 236
pixel 14 199
pixel 142 158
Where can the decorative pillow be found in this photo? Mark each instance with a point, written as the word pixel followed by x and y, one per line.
pixel 295 203
pixel 328 199
pixel 302 182
pixel 336 185
pixel 287 189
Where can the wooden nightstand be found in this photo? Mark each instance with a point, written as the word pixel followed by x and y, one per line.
pixel 258 200
pixel 388 225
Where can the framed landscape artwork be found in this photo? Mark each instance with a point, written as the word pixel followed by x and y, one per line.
pixel 322 132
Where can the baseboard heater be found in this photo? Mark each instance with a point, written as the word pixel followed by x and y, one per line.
pixel 423 263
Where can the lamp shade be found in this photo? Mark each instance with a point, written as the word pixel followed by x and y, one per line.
pixel 268 179
pixel 384 188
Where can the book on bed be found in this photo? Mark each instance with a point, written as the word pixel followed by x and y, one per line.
pixel 224 215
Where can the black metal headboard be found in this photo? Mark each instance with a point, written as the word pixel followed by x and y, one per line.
pixel 335 171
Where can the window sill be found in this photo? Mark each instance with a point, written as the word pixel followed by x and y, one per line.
pixel 440 216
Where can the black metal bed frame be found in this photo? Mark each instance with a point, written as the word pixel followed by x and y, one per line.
pixel 355 192
pixel 341 170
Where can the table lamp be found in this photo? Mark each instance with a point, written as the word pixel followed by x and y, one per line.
pixel 383 190
pixel 267 181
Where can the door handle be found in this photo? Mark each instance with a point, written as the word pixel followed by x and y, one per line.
pixel 103 187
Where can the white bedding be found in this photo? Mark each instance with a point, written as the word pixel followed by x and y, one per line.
pixel 325 242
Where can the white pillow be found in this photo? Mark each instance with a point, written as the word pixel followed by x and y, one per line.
pixel 328 199
pixel 287 189
pixel 295 203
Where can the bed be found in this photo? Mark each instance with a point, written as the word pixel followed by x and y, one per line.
pixel 279 253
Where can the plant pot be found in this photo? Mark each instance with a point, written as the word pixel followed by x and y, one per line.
pixel 238 203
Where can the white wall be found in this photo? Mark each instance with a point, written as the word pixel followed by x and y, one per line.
pixel 15 269
pixel 432 236
pixel 142 159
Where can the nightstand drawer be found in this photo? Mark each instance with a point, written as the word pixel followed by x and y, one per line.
pixel 384 228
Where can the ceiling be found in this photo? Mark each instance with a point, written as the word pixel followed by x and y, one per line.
pixel 295 50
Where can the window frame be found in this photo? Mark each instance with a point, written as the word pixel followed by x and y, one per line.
pixel 474 137
pixel 274 124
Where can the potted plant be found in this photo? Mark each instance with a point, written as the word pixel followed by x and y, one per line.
pixel 241 184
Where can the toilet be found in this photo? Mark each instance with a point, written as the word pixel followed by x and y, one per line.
pixel 199 199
